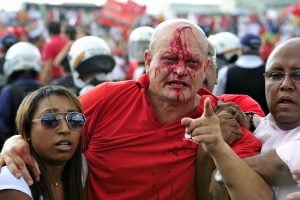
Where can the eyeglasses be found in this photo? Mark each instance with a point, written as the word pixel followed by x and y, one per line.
pixel 50 121
pixel 277 76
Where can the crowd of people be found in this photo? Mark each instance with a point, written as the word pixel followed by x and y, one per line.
pixel 188 109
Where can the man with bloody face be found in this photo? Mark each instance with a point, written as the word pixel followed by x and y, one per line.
pixel 136 146
pixel 176 63
pixel 134 134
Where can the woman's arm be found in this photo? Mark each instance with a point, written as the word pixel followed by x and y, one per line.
pixel 13 195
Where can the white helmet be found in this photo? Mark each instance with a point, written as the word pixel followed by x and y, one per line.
pixel 138 42
pixel 88 47
pixel 89 55
pixel 22 56
pixel 226 44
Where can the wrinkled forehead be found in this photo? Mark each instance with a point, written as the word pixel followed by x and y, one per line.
pixel 286 55
pixel 175 34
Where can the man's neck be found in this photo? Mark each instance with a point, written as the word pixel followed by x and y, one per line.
pixel 170 111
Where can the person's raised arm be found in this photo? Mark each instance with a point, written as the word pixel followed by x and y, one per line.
pixel 16 155
pixel 62 54
pixel 241 181
pixel 205 166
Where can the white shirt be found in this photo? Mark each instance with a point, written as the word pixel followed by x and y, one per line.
pixel 9 181
pixel 287 146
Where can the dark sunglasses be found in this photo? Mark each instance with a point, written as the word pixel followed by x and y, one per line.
pixel 50 121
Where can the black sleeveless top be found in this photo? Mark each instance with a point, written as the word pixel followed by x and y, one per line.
pixel 249 81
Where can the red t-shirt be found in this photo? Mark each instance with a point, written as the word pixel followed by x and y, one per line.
pixel 130 153
pixel 50 51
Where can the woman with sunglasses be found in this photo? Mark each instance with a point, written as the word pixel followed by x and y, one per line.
pixel 50 119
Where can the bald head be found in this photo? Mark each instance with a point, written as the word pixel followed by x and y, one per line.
pixel 166 29
pixel 280 52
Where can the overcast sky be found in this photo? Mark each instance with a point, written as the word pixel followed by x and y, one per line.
pixel 153 6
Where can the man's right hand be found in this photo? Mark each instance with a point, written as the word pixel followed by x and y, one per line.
pixel 16 155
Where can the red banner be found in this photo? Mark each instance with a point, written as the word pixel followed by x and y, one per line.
pixel 293 9
pixel 115 13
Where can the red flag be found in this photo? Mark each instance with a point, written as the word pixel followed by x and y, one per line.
pixel 115 13
pixel 293 9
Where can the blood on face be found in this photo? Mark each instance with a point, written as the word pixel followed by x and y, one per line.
pixel 178 56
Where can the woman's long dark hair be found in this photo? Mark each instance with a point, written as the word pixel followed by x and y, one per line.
pixel 72 173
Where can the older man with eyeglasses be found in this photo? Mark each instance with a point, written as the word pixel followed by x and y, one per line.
pixel 279 131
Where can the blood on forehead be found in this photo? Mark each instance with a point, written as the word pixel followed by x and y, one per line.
pixel 183 51
pixel 182 40
pixel 179 42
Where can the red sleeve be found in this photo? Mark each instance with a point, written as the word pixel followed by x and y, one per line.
pixel 245 102
pixel 247 146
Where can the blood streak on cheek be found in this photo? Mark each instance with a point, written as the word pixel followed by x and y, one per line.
pixel 157 70
pixel 165 66
pixel 162 66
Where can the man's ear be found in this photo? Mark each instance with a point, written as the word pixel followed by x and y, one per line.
pixel 207 64
pixel 147 59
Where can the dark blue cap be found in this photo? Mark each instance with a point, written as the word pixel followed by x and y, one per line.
pixel 7 41
pixel 251 41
